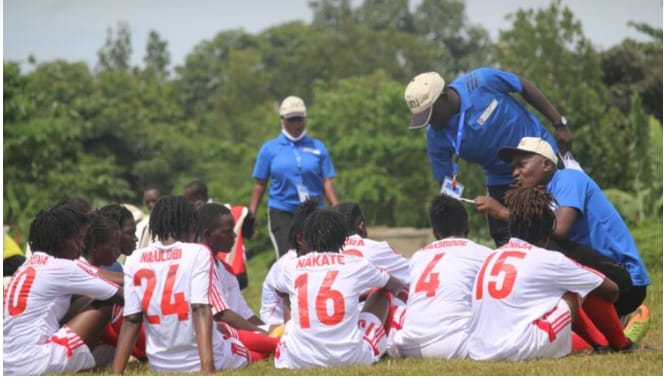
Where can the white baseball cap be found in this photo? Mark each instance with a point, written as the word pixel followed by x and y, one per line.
pixel 421 93
pixel 292 106
pixel 529 145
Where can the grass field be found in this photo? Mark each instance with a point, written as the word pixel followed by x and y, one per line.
pixel 648 236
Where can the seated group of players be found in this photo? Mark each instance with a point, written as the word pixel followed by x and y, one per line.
pixel 337 298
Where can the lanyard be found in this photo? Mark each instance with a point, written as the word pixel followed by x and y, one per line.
pixel 298 159
pixel 457 146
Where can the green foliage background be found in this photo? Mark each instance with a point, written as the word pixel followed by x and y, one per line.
pixel 106 132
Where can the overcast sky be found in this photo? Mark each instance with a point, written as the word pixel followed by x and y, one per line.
pixel 75 30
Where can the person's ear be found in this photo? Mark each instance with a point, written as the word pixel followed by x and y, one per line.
pixel 548 165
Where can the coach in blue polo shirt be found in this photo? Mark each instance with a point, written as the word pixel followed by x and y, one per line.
pixel 299 167
pixel 472 117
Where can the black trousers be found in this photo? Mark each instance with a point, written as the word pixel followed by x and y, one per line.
pixel 499 229
pixel 279 223
pixel 630 297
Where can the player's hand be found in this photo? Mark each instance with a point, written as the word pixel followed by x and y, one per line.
pixel 491 206
pixel 564 140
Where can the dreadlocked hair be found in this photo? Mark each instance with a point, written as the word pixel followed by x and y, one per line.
pixel 448 217
pixel 51 228
pixel 116 212
pixel 208 215
pixel 352 215
pixel 297 222
pixel 172 216
pixel 531 217
pixel 325 231
pixel 100 230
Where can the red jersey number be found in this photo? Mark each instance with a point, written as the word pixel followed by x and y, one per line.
pixel 15 305
pixel 501 277
pixel 428 281
pixel 171 303
pixel 324 296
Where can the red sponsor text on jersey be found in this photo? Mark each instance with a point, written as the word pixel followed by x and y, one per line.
pixel 320 260
pixel 514 244
pixel 354 242
pixel 161 255
pixel 38 259
pixel 445 243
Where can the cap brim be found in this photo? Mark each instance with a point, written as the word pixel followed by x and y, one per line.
pixel 421 119
pixel 508 153
pixel 294 114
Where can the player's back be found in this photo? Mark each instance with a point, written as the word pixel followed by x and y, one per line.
pixel 36 300
pixel 380 254
pixel 518 284
pixel 441 279
pixel 164 281
pixel 324 291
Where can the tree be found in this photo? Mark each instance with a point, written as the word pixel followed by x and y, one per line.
pixel 115 55
pixel 157 58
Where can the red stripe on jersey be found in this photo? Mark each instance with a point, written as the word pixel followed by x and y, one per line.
pixel 587 268
pixel 92 270
pixel 67 338
pixel 214 294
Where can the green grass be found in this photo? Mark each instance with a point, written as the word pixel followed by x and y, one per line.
pixel 648 236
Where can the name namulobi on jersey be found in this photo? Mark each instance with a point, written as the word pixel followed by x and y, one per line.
pixel 161 255
pixel 320 260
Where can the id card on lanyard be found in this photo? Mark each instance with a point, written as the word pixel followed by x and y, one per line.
pixel 450 186
pixel 302 191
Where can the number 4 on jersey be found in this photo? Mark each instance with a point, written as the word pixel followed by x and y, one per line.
pixel 428 281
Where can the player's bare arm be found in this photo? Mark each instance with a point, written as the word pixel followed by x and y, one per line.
pixel 236 321
pixel 202 317
pixel 565 217
pixel 126 341
pixel 537 99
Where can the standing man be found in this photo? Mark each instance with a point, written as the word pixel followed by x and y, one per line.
pixel 150 196
pixel 471 118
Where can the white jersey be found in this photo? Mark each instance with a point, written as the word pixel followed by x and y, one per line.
pixel 324 291
pixel 517 285
pixel 230 290
pixel 380 254
pixel 438 310
pixel 162 282
pixel 36 299
pixel 272 305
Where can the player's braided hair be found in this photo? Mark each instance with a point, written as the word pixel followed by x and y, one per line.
pixel 99 231
pixel 448 217
pixel 297 223
pixel 531 217
pixel 172 216
pixel 352 216
pixel 324 231
pixel 208 215
pixel 116 212
pixel 51 228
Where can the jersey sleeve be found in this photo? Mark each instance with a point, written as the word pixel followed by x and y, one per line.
pixel 395 263
pixel 573 276
pixel 326 166
pixel 499 81
pixel 440 154
pixel 83 281
pixel 570 190
pixel 368 275
pixel 215 296
pixel 200 277
pixel 270 301
pixel 236 294
pixel 262 166
pixel 132 296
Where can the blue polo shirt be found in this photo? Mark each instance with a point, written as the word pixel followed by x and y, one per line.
pixel 289 164
pixel 598 224
pixel 490 118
